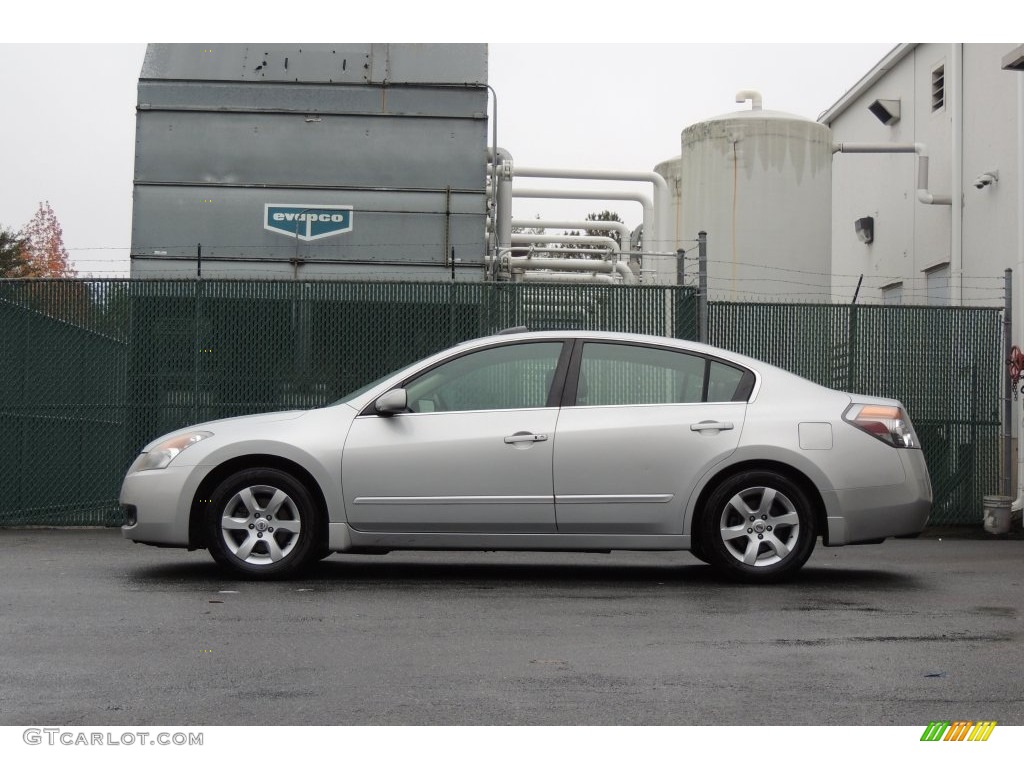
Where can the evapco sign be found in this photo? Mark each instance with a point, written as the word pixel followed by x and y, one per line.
pixel 307 222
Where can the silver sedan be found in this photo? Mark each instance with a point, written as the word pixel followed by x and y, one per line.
pixel 556 441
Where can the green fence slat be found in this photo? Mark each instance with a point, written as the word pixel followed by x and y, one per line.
pixel 93 369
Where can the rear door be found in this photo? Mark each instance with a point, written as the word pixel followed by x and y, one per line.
pixel 639 425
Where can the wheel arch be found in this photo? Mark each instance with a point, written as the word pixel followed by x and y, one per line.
pixel 787 470
pixel 196 536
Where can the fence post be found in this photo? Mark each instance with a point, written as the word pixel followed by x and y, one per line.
pixel 702 287
pixel 197 353
pixel 1007 385
pixel 851 348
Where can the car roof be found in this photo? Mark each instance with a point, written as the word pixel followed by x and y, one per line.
pixel 759 367
pixel 515 334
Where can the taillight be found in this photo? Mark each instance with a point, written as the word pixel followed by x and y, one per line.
pixel 889 423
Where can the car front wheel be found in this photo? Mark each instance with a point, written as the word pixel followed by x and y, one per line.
pixel 262 524
pixel 758 526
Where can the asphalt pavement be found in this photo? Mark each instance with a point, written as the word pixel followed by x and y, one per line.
pixel 96 630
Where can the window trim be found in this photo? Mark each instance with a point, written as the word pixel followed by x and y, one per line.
pixel 892 290
pixel 554 392
pixel 744 390
pixel 932 272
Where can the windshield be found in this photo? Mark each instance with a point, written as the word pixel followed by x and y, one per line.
pixel 367 387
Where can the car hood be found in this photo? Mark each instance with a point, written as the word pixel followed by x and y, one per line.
pixel 235 422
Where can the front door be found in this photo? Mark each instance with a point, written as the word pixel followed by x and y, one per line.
pixel 472 455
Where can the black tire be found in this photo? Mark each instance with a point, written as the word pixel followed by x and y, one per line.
pixel 758 526
pixel 696 549
pixel 263 524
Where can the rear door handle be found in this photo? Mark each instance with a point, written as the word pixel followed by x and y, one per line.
pixel 525 437
pixel 709 426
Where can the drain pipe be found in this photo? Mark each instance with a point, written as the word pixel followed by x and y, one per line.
pixel 495 154
pixel 658 236
pixel 921 150
pixel 1018 293
pixel 502 171
pixel 956 242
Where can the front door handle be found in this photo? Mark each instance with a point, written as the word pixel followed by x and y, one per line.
pixel 525 437
pixel 709 426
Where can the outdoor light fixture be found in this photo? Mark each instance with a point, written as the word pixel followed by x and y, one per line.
pixel 886 110
pixel 987 179
pixel 865 229
pixel 1014 60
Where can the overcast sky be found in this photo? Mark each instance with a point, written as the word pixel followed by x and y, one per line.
pixel 68 126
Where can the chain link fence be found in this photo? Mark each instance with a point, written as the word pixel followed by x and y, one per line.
pixel 93 369
pixel 943 363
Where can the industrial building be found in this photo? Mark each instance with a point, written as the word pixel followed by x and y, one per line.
pixel 359 161
pixel 929 210
pixel 311 161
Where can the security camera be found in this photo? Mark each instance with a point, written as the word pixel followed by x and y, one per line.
pixel 987 178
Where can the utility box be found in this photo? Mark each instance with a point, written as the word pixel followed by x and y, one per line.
pixel 311 161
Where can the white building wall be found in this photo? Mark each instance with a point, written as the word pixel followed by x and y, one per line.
pixel 990 143
pixel 912 239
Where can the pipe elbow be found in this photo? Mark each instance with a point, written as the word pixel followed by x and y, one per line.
pixel 622 269
pixel 927 198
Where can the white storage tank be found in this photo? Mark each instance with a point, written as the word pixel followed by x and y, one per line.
pixel 760 184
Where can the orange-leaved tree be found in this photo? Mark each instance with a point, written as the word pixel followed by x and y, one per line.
pixel 13 260
pixel 43 245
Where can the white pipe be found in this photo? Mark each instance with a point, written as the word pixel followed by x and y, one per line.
pixel 606 242
pixel 658 237
pixel 610 226
pixel 754 97
pixel 572 265
pixel 599 253
pixel 923 194
pixel 623 270
pixel 503 199
pixel 534 276
pixel 590 194
pixel 1018 297
pixel 956 255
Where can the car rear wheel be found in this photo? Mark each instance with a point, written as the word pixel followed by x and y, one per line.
pixel 262 524
pixel 697 550
pixel 758 526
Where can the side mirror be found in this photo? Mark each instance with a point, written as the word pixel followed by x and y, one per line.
pixel 392 402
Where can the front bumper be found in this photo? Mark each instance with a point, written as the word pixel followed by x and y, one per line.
pixel 162 500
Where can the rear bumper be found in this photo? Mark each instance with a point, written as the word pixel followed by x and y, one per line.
pixel 868 514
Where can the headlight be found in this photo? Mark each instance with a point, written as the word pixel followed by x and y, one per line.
pixel 163 454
